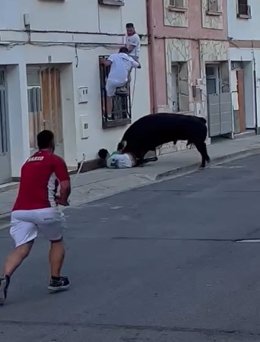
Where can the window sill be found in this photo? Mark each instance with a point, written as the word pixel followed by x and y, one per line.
pixel 177 9
pixel 244 16
pixel 214 13
pixel 112 2
pixel 115 123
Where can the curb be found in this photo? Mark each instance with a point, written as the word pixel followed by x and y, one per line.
pixel 5 218
pixel 5 221
pixel 14 185
pixel 8 187
pixel 194 167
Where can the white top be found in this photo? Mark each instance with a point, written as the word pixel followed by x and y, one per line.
pixel 120 67
pixel 134 40
pixel 119 161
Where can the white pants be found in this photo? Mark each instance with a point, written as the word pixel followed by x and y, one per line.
pixel 25 225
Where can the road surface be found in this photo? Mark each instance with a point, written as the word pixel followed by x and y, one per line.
pixel 162 263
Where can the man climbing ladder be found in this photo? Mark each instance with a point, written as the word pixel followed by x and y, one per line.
pixel 120 66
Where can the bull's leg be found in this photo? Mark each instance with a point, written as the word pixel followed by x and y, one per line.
pixel 202 148
pixel 206 152
pixel 151 158
pixel 140 158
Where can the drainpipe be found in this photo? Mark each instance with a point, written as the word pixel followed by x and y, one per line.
pixel 255 90
pixel 151 54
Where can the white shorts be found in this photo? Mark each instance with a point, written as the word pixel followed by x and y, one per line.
pixel 25 225
pixel 111 87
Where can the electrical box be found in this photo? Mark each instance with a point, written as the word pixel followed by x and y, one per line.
pixel 26 21
pixel 196 93
pixel 83 94
pixel 199 83
pixel 84 127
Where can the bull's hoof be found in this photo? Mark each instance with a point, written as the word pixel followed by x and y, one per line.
pixel 152 159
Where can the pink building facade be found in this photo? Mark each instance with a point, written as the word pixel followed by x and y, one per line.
pixel 189 65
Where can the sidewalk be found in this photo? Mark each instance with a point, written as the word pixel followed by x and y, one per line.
pixel 94 185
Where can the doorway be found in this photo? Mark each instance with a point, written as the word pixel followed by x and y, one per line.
pixel 44 104
pixel 5 158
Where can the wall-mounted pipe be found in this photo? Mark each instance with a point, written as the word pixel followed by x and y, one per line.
pixel 151 55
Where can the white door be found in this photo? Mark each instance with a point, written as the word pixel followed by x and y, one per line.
pixel 5 163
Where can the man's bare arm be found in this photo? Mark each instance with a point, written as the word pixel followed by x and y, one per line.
pixel 130 47
pixel 136 64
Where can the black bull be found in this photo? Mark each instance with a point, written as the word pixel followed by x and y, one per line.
pixel 154 130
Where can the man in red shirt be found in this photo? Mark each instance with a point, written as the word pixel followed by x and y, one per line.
pixel 36 209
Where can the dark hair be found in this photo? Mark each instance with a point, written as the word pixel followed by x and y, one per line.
pixel 123 49
pixel 103 153
pixel 129 25
pixel 45 139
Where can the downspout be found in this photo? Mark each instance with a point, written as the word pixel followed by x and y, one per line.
pixel 151 55
pixel 255 90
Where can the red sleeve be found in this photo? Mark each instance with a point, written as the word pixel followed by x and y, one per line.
pixel 60 169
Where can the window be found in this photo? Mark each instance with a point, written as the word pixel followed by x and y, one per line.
pixel 212 74
pixel 112 2
pixel 177 5
pixel 121 112
pixel 213 5
pixel 213 8
pixel 243 9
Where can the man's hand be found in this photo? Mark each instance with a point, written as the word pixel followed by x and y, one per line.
pixel 61 201
pixel 103 61
pixel 65 190
pixel 130 48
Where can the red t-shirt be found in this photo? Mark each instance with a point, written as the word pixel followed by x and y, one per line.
pixel 40 176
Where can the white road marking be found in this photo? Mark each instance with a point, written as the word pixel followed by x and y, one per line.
pixel 250 241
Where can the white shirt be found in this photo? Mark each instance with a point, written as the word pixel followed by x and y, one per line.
pixel 119 161
pixel 120 67
pixel 134 40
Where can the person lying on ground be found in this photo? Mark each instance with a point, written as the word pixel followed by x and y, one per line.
pixel 117 159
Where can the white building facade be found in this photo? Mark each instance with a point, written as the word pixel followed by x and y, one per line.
pixel 244 37
pixel 50 76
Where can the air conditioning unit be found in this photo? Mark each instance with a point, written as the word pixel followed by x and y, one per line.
pixel 112 2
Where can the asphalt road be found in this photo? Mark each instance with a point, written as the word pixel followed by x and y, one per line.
pixel 163 263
